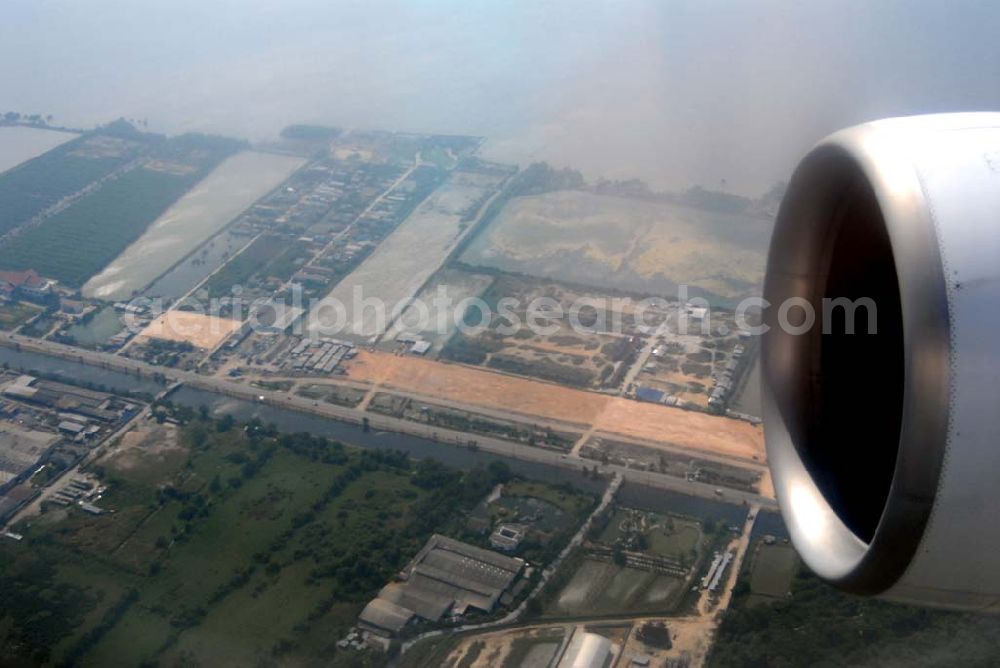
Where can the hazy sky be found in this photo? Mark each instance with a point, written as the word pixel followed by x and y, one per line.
pixel 674 92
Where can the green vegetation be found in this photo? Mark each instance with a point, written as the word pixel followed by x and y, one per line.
pixel 249 262
pixel 32 187
pixel 214 534
pixel 540 177
pixel 772 571
pixel 565 498
pixel 543 368
pixel 13 314
pixel 820 626
pixel 76 243
pixel 469 350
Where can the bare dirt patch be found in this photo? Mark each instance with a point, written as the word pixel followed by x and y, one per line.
pixel 201 331
pixel 612 415
pixel 145 448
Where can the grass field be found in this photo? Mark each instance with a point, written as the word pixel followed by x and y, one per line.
pixel 226 547
pixel 773 568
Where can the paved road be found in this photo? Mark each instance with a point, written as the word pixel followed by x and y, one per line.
pixel 379 422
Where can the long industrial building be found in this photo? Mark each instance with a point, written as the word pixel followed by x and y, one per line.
pixel 447 577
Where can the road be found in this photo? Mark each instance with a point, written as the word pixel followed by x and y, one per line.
pixel 349 415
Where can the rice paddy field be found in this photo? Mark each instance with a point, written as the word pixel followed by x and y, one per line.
pixel 603 588
pixel 626 244
pixel 208 207
pixel 19 144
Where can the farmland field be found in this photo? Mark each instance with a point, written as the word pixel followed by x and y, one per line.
pixel 74 244
pixel 256 256
pixel 400 265
pixel 774 567
pixel 226 547
pixel 233 186
pixel 38 184
pixel 19 144
pixel 603 588
pixel 635 245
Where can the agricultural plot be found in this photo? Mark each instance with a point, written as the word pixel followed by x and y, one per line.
pixel 261 252
pixel 627 244
pixel 772 571
pixel 74 244
pixel 604 588
pixel 229 189
pixel 444 304
pixel 397 269
pixel 40 183
pixel 19 144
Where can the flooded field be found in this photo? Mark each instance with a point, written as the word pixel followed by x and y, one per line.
pixel 208 207
pixel 401 264
pixel 627 244
pixel 19 144
pixel 194 268
pixel 453 287
pixel 603 588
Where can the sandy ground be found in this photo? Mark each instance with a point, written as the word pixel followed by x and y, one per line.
pixel 495 647
pixel 202 331
pixel 612 415
pixel 149 444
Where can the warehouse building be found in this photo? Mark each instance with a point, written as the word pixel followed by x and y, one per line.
pixel 588 650
pixel 446 578
pixel 21 451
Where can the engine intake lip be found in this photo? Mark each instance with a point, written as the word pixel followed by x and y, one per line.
pixel 872 155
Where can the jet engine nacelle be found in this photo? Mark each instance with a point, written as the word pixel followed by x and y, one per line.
pixel 884 443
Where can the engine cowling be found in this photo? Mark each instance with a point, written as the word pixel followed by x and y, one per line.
pixel 884 443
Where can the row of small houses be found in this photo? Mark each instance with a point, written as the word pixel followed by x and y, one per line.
pixel 726 379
